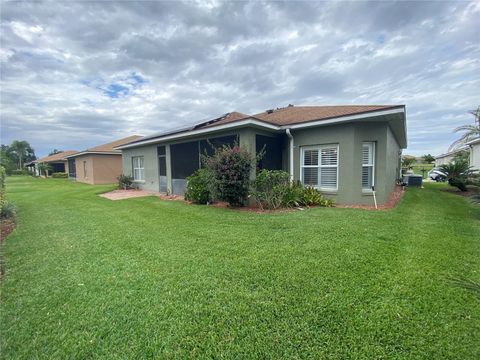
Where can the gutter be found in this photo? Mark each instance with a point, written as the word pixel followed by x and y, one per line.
pixel 291 144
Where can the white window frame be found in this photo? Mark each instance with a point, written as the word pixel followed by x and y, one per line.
pixel 371 145
pixel 320 166
pixel 140 169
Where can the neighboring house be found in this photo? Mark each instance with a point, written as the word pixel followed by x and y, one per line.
pixel 98 165
pixel 58 162
pixel 447 157
pixel 474 146
pixel 341 150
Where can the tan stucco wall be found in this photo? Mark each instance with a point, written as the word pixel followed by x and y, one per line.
pixel 106 168
pixel 81 176
pixel 101 169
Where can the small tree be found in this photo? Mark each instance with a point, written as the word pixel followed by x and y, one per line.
pixel 44 168
pixel 407 162
pixel 428 158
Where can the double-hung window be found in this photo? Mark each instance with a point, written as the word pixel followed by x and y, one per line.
pixel 138 169
pixel 320 167
pixel 368 166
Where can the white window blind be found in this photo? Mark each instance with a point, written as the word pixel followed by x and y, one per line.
pixel 138 169
pixel 320 167
pixel 368 165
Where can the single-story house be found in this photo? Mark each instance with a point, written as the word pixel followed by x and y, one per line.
pixel 474 147
pixel 341 150
pixel 58 162
pixel 448 156
pixel 101 164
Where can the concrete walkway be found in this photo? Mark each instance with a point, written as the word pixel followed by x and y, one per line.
pixel 134 193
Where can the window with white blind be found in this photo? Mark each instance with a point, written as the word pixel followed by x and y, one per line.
pixel 368 165
pixel 138 169
pixel 320 167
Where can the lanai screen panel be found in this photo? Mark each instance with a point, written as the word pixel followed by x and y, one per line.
pixel 186 159
pixel 72 171
pixel 272 159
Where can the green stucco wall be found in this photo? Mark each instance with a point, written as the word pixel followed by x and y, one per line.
pixel 348 136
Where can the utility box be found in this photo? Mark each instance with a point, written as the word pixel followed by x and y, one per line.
pixel 413 180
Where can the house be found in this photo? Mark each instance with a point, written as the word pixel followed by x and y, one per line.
pixel 447 158
pixel 58 162
pixel 341 150
pixel 101 164
pixel 474 147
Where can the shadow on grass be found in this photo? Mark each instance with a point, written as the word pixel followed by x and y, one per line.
pixel 466 284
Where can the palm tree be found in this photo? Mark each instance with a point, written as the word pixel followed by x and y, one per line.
pixel 470 131
pixel 21 150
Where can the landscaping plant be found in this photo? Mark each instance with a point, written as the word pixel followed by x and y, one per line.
pixel 270 188
pixel 199 187
pixel 7 210
pixel 60 175
pixel 231 166
pixel 457 173
pixel 125 182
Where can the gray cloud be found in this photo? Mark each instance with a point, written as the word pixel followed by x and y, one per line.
pixel 66 69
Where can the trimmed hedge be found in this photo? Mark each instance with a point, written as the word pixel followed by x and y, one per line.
pixel 60 175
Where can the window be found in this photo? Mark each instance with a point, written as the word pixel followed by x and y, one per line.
pixel 320 167
pixel 162 160
pixel 138 170
pixel 85 169
pixel 368 165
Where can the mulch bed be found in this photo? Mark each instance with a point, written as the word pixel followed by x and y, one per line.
pixel 392 201
pixel 6 227
pixel 471 190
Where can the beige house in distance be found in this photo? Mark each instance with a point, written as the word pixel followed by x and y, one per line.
pixel 58 162
pixel 101 164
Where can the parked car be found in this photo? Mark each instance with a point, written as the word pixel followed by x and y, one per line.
pixel 437 175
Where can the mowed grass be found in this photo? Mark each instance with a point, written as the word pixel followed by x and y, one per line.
pixel 143 278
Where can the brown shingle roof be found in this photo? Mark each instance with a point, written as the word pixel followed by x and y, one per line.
pixel 300 114
pixel 56 157
pixel 110 147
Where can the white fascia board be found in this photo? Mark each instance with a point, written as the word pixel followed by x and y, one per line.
pixel 212 129
pixel 345 118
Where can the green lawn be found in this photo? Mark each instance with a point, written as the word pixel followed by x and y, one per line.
pixel 422 169
pixel 144 278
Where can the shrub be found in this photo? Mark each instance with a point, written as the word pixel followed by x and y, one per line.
pixel 457 173
pixel 8 210
pixel 2 186
pixel 270 188
pixel 231 168
pixel 60 175
pixel 311 196
pixel 199 187
pixel 19 172
pixel 125 182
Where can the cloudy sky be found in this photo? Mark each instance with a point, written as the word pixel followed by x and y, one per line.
pixel 78 74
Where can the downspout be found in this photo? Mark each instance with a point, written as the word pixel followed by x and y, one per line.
pixel 290 137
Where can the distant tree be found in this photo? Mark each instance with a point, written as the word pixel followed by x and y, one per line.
pixel 53 152
pixel 22 151
pixel 7 159
pixel 470 131
pixel 408 161
pixel 428 158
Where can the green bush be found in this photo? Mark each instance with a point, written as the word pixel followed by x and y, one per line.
pixel 20 172
pixel 60 175
pixel 457 173
pixel 231 168
pixel 125 182
pixel 8 210
pixel 271 188
pixel 199 187
pixel 3 174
